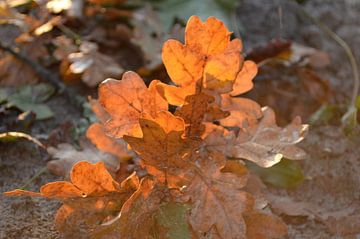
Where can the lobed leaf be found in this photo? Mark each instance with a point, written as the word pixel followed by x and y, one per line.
pixel 126 101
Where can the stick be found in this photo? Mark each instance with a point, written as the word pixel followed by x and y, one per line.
pixel 51 77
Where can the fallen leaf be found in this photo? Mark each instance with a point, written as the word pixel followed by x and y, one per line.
pixel 126 101
pixel 317 87
pixel 266 143
pixel 260 225
pixel 93 65
pixel 32 98
pixel 66 156
pixel 347 225
pixel 218 201
pixel 285 174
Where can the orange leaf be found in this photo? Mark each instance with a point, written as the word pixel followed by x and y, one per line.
pixel 126 100
pixel 208 60
pixel 243 112
pixel 96 134
pixel 218 199
pixel 243 82
pixel 162 149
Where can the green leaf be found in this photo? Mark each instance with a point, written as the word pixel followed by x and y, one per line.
pixel 3 95
pixel 31 98
pixel 172 217
pixel 169 10
pixel 286 174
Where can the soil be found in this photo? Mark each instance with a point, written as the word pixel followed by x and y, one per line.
pixel 332 169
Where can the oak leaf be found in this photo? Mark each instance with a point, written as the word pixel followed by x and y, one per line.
pixel 266 143
pixel 162 149
pixel 208 60
pixel 193 113
pixel 263 226
pixel 66 156
pixel 91 197
pixel 93 65
pixel 243 112
pixel 127 101
pixel 218 201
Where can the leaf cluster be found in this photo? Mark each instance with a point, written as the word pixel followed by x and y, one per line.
pixel 191 188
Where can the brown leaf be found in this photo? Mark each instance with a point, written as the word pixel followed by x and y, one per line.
pixel 118 147
pixel 263 226
pixel 93 65
pixel 243 112
pixel 193 113
pixel 217 198
pixel 317 87
pixel 344 225
pixel 91 199
pixel 67 156
pixel 162 149
pixel 64 47
pixel 126 101
pixel 266 143
pixel 14 72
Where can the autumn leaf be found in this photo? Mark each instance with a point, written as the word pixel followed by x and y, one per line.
pixel 162 149
pixel 243 82
pixel 218 201
pixel 208 60
pixel 126 101
pixel 66 156
pixel 266 143
pixel 91 197
pixel 117 147
pixel 260 225
pixel 193 113
pixel 243 112
pixel 93 65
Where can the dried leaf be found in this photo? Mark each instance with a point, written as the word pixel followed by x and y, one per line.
pixel 244 112
pixel 193 113
pixel 67 156
pixel 218 203
pixel 96 134
pixel 93 65
pixel 266 144
pixel 243 82
pixel 162 149
pixel 263 226
pixel 126 101
pixel 92 197
pixel 208 56
pixel 285 205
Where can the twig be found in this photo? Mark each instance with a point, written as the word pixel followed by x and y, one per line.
pixel 47 75
pixel 351 112
pixel 28 182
